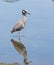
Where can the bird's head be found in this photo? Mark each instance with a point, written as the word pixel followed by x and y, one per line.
pixel 24 12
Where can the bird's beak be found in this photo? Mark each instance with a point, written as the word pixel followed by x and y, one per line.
pixel 28 13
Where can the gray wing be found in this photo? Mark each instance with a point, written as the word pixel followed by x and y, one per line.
pixel 17 27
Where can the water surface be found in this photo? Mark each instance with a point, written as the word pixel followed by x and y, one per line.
pixel 37 36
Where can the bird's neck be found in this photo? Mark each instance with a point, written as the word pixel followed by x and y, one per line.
pixel 24 19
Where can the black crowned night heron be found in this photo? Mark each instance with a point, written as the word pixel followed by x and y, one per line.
pixel 20 25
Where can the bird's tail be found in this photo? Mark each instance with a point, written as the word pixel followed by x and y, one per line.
pixel 12 31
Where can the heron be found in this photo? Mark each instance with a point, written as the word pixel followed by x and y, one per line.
pixel 21 23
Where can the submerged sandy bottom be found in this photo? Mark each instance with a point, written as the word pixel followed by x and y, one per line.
pixel 10 64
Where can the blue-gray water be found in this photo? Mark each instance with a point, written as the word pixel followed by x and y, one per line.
pixel 37 36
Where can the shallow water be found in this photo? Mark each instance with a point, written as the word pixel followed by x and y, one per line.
pixel 37 37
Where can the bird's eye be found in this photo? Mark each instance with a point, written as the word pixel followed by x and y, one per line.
pixel 23 11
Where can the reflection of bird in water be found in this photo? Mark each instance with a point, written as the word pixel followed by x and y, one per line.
pixel 21 49
pixel 27 62
pixel 20 25
pixel 53 0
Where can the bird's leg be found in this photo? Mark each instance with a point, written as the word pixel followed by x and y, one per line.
pixel 19 35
